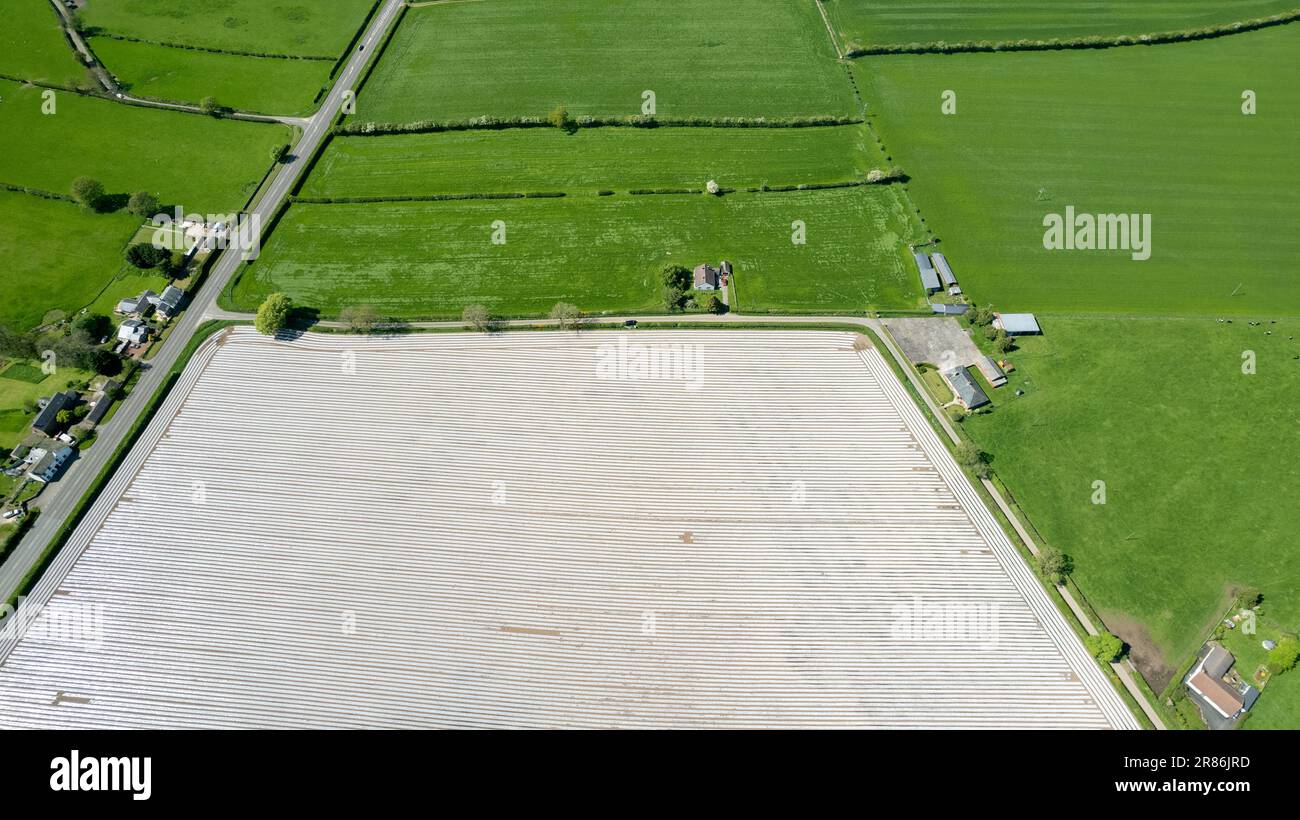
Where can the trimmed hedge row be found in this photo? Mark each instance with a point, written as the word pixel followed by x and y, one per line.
pixel 636 121
pixel 1095 41
pixel 43 194
pixel 94 32
pixel 361 200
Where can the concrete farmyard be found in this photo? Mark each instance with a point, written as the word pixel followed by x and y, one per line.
pixel 453 530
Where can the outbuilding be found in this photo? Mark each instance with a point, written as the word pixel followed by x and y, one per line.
pixel 1017 324
pixel 963 384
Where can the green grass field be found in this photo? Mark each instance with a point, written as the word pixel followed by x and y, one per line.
pixel 748 58
pixel 602 253
pixel 315 28
pixel 55 256
pixel 205 164
pixel 262 84
pixel 1155 130
pixel 15 395
pixel 887 22
pixel 1198 460
pixel 32 46
pixel 591 159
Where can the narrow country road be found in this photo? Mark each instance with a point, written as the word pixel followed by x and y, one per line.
pixel 63 495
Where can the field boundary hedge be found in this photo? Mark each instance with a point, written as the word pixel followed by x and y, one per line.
pixel 94 32
pixel 886 177
pixel 40 192
pixel 486 123
pixel 1090 42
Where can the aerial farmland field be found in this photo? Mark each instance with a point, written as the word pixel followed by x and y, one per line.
pixel 510 58
pixel 199 162
pixel 42 269
pixel 485 610
pixel 604 254
pixel 590 160
pixel 319 28
pixel 1153 130
pixel 32 46
pixel 866 23
pixel 262 84
pixel 1160 410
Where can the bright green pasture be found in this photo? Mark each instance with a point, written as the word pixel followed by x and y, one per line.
pixel 305 27
pixel 890 22
pixel 205 164
pixel 603 254
pixel 32 46
pixel 746 58
pixel 1198 459
pixel 591 159
pixel 262 84
pixel 1153 130
pixel 55 256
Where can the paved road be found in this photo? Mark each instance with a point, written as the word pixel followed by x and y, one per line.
pixel 62 496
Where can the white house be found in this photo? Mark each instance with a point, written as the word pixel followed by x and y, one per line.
pixel 133 331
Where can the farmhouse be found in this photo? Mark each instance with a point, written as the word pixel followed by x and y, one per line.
pixel 45 468
pixel 137 304
pixel 929 278
pixel 708 277
pixel 967 390
pixel 133 331
pixel 1017 324
pixel 169 302
pixel 102 402
pixel 47 421
pixel 1207 680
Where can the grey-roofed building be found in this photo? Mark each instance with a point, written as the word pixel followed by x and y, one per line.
pixel 1218 661
pixel 1017 324
pixel 47 421
pixel 46 469
pixel 169 301
pixel 706 278
pixel 991 371
pixel 949 310
pixel 105 401
pixel 929 279
pixel 945 272
pixel 969 393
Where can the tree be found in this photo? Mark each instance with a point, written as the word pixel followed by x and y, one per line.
pixel 63 417
pixel 477 317
pixel 559 117
pixel 146 256
pixel 1053 565
pixel 1283 657
pixel 1003 343
pixel 972 458
pixel 279 152
pixel 677 276
pixel 14 345
pixel 143 203
pixel 273 315
pixel 565 315
pixel 673 297
pixel 1104 646
pixel 360 318
pixel 87 191
pixel 209 105
pixel 710 303
pixel 89 328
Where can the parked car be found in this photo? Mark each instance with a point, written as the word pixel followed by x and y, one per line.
pixel 12 514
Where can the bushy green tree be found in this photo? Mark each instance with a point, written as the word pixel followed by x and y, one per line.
pixel 143 203
pixel 1283 657
pixel 1053 565
pixel 972 458
pixel 87 191
pixel 1104 646
pixel 146 256
pixel 273 315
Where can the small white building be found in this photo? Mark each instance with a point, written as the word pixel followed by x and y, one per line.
pixel 133 331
